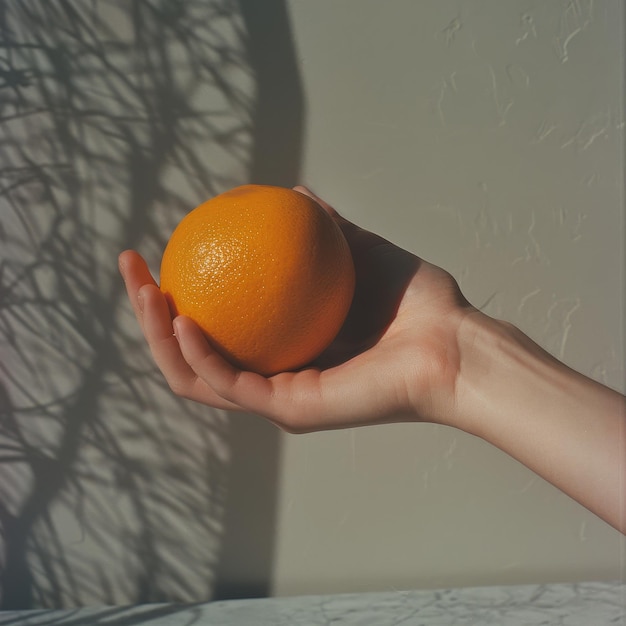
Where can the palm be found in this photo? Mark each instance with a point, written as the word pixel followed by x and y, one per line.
pixel 403 321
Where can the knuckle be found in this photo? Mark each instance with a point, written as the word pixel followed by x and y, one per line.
pixel 177 388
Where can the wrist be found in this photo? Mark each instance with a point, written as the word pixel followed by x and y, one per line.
pixel 496 363
pixel 564 426
pixel 505 376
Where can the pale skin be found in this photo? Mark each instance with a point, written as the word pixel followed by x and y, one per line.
pixel 413 349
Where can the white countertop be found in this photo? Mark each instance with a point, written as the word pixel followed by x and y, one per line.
pixel 580 604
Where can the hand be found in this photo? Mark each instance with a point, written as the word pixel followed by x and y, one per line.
pixel 395 359
pixel 412 348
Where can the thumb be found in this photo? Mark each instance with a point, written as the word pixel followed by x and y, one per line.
pixel 307 192
pixel 359 239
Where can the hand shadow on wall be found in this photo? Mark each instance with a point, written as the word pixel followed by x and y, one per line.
pixel 115 119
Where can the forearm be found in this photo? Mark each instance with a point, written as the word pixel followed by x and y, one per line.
pixel 565 427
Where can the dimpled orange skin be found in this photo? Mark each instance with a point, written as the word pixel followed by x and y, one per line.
pixel 265 272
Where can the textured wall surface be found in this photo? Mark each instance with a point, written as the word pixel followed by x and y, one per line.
pixel 484 136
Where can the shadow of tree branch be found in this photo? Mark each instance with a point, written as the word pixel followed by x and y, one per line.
pixel 116 118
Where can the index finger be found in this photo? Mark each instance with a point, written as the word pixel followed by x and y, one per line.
pixel 136 274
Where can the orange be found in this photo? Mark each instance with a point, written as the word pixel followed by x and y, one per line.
pixel 265 272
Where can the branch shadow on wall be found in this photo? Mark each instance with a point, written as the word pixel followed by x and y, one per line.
pixel 115 119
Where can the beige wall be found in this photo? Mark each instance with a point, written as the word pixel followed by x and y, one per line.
pixel 485 136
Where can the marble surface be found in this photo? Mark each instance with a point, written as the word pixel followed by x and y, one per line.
pixel 581 604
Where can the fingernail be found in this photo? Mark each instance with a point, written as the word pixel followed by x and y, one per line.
pixel 140 301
